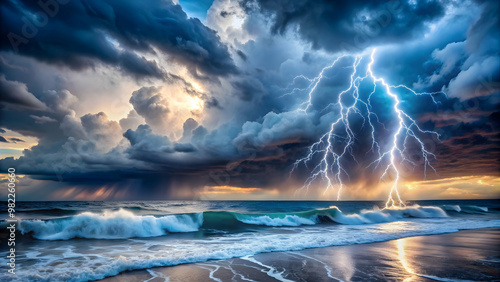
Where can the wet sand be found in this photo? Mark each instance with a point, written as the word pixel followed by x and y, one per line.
pixel 470 255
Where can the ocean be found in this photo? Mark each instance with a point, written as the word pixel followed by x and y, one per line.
pixel 82 241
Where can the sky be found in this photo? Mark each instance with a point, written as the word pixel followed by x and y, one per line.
pixel 231 100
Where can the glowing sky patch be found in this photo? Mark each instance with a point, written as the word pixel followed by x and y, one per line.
pixel 466 187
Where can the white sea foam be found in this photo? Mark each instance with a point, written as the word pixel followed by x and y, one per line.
pixel 372 216
pixel 118 224
pixel 271 272
pixel 392 214
pixel 108 259
pixel 288 220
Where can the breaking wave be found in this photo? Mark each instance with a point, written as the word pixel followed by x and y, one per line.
pixel 121 224
pixel 110 225
pixel 476 208
pixel 455 208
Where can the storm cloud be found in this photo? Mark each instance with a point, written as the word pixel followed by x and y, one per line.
pixel 244 105
pixel 351 25
pixel 81 34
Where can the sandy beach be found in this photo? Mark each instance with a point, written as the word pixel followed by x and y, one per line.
pixel 470 255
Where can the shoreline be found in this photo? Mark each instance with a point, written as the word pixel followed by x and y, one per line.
pixel 463 255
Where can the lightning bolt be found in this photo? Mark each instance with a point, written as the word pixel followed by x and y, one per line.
pixel 335 147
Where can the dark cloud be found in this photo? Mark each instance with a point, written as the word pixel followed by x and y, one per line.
pixel 225 14
pixel 61 101
pixel 15 140
pixel 143 140
pixel 276 129
pixel 470 154
pixel 42 119
pixel 71 127
pixel 16 93
pixel 80 34
pixel 139 66
pixel 247 88
pixel 189 125
pixel 242 55
pixel 485 29
pixel 479 74
pixel 351 25
pixel 77 147
pixel 185 148
pixel 469 67
pixel 2 139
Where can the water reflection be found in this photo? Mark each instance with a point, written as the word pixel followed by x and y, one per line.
pixel 403 259
pixel 345 263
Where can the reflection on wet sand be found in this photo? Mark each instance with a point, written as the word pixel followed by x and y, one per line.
pixel 345 263
pixel 403 259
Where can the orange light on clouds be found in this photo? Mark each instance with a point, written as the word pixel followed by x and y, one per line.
pixel 14 148
pixel 82 194
pixel 229 189
pixel 464 187
pixel 237 193
pixel 5 176
pixel 198 87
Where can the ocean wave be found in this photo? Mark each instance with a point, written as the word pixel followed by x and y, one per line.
pixel 27 210
pixel 376 215
pixel 118 224
pixel 477 208
pixel 121 224
pixel 287 220
pixel 225 247
pixel 455 208
pixel 333 214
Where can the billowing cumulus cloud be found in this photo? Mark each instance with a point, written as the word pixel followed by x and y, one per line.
pixel 276 129
pixel 132 121
pixel 105 133
pixel 151 105
pixel 59 101
pixel 187 128
pixel 144 140
pixel 216 103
